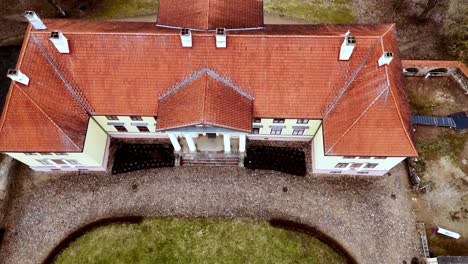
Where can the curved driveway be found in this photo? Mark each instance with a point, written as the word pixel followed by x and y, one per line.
pixel 359 213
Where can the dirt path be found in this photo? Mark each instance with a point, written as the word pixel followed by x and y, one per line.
pixel 361 214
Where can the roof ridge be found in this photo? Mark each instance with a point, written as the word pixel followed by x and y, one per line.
pixel 360 116
pixel 348 83
pixel 62 77
pixel 219 78
pixel 204 97
pixel 183 83
pixel 7 104
pixel 399 116
pixel 48 117
pixel 391 27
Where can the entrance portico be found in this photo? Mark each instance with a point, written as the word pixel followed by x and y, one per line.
pixel 203 142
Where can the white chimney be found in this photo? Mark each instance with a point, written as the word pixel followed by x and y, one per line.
pixel 386 58
pixel 17 76
pixel 221 38
pixel 186 37
pixel 347 47
pixel 60 41
pixel 34 19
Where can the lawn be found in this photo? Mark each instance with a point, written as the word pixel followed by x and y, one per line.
pixel 172 240
pixel 315 11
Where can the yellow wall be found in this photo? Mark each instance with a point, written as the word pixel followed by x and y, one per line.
pixel 93 154
pixel 288 127
pixel 128 123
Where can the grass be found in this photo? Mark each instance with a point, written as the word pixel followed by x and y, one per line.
pixel 449 144
pixel 317 11
pixel 125 8
pixel 170 240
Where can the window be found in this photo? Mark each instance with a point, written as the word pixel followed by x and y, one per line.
pixel 380 157
pixel 363 172
pixel 349 157
pixel 136 118
pixel 302 121
pixel 143 129
pixel 121 128
pixel 278 120
pixel 335 172
pixel 364 157
pixel 276 131
pixel 298 131
pixel 73 162
pixel 47 153
pixel 257 120
pixel 371 165
pixel 341 165
pixel 356 165
pixel 30 154
pixel 60 162
pixel 256 130
pixel 112 118
pixel 44 161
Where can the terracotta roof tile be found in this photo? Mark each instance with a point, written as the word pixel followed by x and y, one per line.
pixel 27 128
pixel 205 100
pixel 211 14
pixel 50 93
pixel 361 110
pixel 121 68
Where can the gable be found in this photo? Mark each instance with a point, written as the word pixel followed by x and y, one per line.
pixel 205 100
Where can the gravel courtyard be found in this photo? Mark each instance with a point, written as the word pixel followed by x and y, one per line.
pixel 370 217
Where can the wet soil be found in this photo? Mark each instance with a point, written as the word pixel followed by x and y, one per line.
pixel 446 203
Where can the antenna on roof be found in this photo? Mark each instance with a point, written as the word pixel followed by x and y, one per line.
pixel 34 19
pixel 17 76
pixel 347 46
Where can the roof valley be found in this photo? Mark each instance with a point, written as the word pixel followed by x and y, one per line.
pixel 61 76
pixel 348 84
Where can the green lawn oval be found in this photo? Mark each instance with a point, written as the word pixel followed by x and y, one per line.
pixel 174 240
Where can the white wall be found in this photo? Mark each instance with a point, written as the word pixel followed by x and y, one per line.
pixel 326 164
pixel 93 157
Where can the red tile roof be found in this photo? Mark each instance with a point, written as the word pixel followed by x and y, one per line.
pixel 25 127
pixel 211 14
pixel 205 100
pixel 121 68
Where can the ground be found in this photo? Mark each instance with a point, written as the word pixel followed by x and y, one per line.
pixel 359 213
pixel 175 240
pixel 443 163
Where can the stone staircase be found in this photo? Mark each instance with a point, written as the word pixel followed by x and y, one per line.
pixel 211 158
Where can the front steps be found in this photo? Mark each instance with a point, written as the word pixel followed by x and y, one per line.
pixel 208 158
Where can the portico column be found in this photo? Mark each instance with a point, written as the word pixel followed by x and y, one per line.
pixel 190 143
pixel 227 143
pixel 242 143
pixel 175 142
